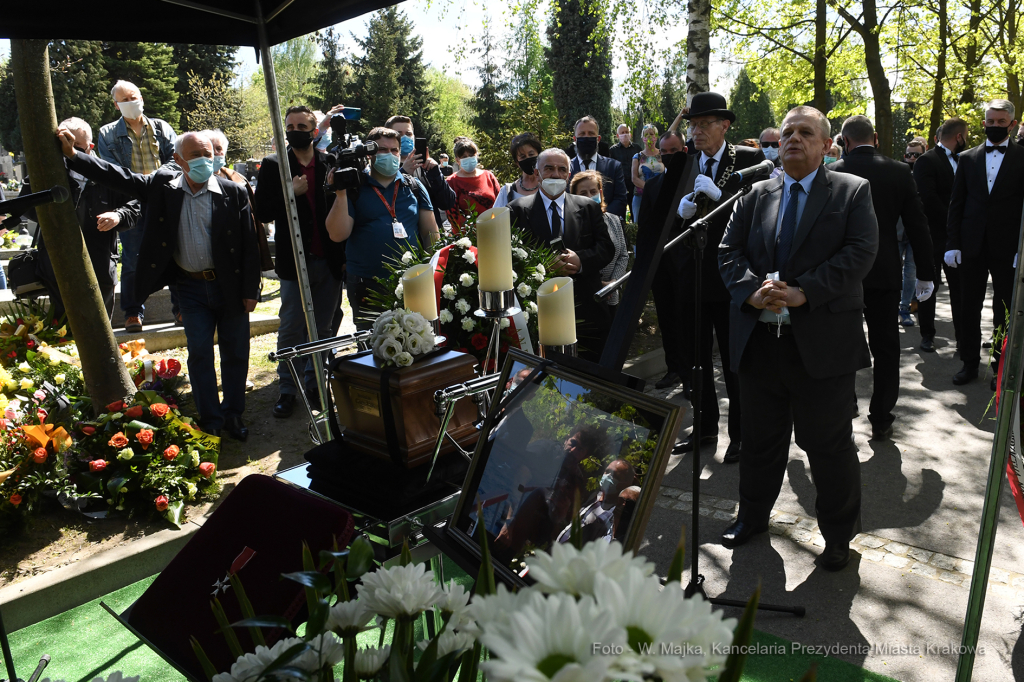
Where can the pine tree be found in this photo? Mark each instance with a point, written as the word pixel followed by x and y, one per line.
pixel 752 108
pixel 81 86
pixel 673 91
pixel 205 61
pixel 10 130
pixel 580 58
pixel 150 66
pixel 335 74
pixel 487 102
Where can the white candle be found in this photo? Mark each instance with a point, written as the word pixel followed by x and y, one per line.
pixel 420 297
pixel 494 249
pixel 556 312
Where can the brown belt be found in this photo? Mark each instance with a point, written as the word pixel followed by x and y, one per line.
pixel 208 275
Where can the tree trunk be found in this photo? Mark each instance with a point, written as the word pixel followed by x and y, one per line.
pixel 105 375
pixel 971 60
pixel 698 48
pixel 820 60
pixel 938 91
pixel 1013 92
pixel 880 90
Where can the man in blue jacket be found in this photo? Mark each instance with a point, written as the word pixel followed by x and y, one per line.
pixel 586 135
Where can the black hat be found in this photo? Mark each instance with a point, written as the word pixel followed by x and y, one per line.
pixel 709 104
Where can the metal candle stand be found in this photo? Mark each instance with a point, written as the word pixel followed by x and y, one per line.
pixel 435 327
pixel 548 352
pixel 495 305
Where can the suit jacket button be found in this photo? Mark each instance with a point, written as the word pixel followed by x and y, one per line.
pixel 163 243
pixel 237 271
pixel 161 218
pixel 232 250
pixel 153 265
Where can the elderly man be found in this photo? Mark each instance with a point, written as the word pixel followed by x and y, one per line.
pixel 798 341
pixel 198 238
pixel 769 142
pixel 552 213
pixel 141 145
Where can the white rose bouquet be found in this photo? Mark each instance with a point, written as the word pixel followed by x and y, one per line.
pixel 399 336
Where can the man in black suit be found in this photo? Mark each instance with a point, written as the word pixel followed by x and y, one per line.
pixel 798 342
pixel 623 151
pixel 894 196
pixel 586 138
pixel 552 213
pixel 706 186
pixel 933 174
pixel 197 238
pixel 983 228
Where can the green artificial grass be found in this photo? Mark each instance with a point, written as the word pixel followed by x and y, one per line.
pixel 86 642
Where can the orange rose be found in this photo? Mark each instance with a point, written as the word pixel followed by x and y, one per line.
pixel 145 436
pixel 39 455
pixel 162 503
pixel 15 499
pixel 133 412
pixel 97 465
pixel 118 440
pixel 207 469
pixel 159 409
pixel 171 452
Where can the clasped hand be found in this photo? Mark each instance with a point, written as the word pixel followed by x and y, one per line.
pixel 706 186
pixel 775 296
pixel 568 263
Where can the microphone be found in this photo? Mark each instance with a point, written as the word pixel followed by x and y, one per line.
pixel 761 170
pixel 15 207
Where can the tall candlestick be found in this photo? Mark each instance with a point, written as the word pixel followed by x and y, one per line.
pixel 420 297
pixel 556 312
pixel 494 249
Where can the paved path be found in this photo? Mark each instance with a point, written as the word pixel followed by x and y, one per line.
pixel 906 587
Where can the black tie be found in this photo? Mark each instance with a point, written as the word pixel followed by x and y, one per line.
pixel 956 156
pixel 556 221
pixel 787 230
pixel 1001 150
pixel 707 168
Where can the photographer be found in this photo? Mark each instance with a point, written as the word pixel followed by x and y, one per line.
pixel 423 168
pixel 388 213
pixel 325 259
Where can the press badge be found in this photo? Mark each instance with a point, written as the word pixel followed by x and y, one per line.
pixel 399 230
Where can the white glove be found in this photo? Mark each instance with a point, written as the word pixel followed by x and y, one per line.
pixel 924 290
pixel 1014 260
pixel 706 186
pixel 952 258
pixel 687 207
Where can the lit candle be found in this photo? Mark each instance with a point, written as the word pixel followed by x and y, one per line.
pixel 494 249
pixel 556 312
pixel 418 285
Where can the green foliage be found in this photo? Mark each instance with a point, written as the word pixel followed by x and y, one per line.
pixel 487 102
pixel 452 112
pixel 334 75
pixel 752 108
pixel 580 58
pixel 673 91
pixel 150 66
pixel 10 129
pixel 207 62
pixel 215 104
pixel 81 84
pixel 296 68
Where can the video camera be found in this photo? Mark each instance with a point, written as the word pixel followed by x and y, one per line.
pixel 350 154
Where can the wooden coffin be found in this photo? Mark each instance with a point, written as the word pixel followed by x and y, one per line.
pixel 356 385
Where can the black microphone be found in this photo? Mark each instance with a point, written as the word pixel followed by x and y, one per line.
pixel 15 207
pixel 763 169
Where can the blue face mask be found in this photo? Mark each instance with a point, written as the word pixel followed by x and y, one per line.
pixel 829 159
pixel 218 163
pixel 408 144
pixel 386 164
pixel 607 483
pixel 200 169
pixel 596 199
pixel 468 164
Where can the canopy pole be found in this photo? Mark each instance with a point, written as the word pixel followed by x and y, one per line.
pixel 295 233
pixel 1009 399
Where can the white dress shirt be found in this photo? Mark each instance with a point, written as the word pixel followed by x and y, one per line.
pixel 714 167
pixel 560 203
pixel 949 156
pixel 587 165
pixel 993 160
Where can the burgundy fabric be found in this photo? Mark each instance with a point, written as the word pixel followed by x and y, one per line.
pixel 265 515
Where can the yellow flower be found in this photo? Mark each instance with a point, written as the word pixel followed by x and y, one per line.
pixel 3 401
pixel 59 379
pixel 26 384
pixel 39 327
pixel 10 384
pixel 24 367
pixel 62 331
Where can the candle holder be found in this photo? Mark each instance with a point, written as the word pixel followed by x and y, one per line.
pixel 496 305
pixel 548 351
pixel 435 326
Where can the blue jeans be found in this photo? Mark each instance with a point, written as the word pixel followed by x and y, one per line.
pixel 206 312
pixel 131 240
pixel 326 293
pixel 637 198
pixel 909 276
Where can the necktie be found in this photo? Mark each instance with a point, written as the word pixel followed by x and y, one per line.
pixel 787 230
pixel 956 157
pixel 1001 150
pixel 556 221
pixel 707 168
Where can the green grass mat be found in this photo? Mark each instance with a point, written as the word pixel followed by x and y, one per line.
pixel 87 642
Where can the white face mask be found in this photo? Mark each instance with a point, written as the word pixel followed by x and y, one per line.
pixel 770 153
pixel 131 110
pixel 553 187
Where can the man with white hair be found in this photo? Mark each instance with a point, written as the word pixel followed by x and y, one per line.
pixel 141 145
pixel 198 239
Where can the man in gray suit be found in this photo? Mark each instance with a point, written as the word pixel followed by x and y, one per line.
pixel 793 258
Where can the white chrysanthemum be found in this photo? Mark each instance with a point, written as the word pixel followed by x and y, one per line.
pixel 505 323
pixel 449 641
pixel 531 306
pixel 400 590
pixel 540 269
pixel 248 667
pixel 448 291
pixel 537 277
pixel 464 243
pixel 524 290
pixel 468 324
pixel 348 618
pixel 489 611
pixel 455 604
pixel 567 569
pixel 445 316
pixel 462 305
pixel 407 257
pixel 370 661
pixel 403 359
pixel 191 489
pixel 466 279
pixel 520 253
pixel 400 290
pixel 515 276
pixel 552 638
pixel 469 257
pixel 526 316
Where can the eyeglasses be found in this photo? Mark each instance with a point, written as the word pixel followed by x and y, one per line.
pixel 773 145
pixel 704 125
pixel 911 155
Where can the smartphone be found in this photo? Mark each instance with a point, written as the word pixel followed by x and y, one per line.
pixel 421 147
pixel 352 113
pixel 556 245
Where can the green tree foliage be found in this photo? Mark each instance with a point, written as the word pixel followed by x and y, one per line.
pixel 10 131
pixel 81 86
pixel 207 62
pixel 215 104
pixel 452 111
pixel 335 74
pixel 752 108
pixel 150 66
pixel 580 59
pixel 256 131
pixel 486 104
pixel 673 91
pixel 296 68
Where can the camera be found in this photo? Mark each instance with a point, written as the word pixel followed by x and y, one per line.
pixel 350 155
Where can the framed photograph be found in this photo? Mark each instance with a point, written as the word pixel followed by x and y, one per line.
pixel 554 435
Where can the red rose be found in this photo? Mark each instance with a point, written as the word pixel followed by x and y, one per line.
pixel 171 452
pixel 20 321
pixel 97 465
pixel 162 503
pixel 159 409
pixel 55 322
pixel 39 455
pixel 145 436
pixel 115 407
pixel 15 499
pixel 168 368
pixel 207 469
pixel 13 354
pixel 88 430
pixel 41 413
pixel 118 440
pixel 30 343
pixel 133 412
pixel 479 341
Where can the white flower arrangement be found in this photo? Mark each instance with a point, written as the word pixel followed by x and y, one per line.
pixel 446 316
pixel 407 257
pixel 468 324
pixel 448 291
pixel 400 335
pixel 524 290
pixel 466 279
pixel 462 305
pixel 469 257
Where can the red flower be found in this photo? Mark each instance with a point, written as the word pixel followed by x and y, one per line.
pixel 41 413
pixel 122 346
pixel 118 440
pixel 39 455
pixel 115 407
pixel 207 469
pixel 159 409
pixel 145 436
pixel 133 412
pixel 30 343
pixel 13 354
pixel 3 424
pixel 55 322
pixel 15 499
pixel 171 452
pixel 162 503
pixel 168 368
pixel 19 321
pixel 88 430
pixel 97 465
pixel 479 341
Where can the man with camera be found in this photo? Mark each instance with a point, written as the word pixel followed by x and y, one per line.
pixel 388 213
pixel 325 259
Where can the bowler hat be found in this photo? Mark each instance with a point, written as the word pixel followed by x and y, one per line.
pixel 709 104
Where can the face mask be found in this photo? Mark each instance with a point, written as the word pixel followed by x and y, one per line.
pixel 586 146
pixel 529 165
pixel 386 164
pixel 130 110
pixel 996 134
pixel 596 199
pixel 607 483
pixel 299 139
pixel 200 169
pixel 218 163
pixel 468 164
pixel 408 144
pixel 770 153
pixel 444 164
pixel 625 140
pixel 553 187
pixel 960 146
pixel 829 159
pixel 324 141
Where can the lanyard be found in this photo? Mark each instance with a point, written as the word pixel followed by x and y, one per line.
pixel 394 201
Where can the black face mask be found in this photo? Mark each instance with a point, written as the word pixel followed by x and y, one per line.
pixel 299 139
pixel 666 158
pixel 996 134
pixel 960 146
pixel 586 146
pixel 529 165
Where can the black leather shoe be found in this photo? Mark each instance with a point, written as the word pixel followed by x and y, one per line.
pixel 928 344
pixel 741 531
pixel 236 428
pixel 836 556
pixel 732 453
pixel 669 380
pixel 285 406
pixel 881 433
pixel 686 444
pixel 965 376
